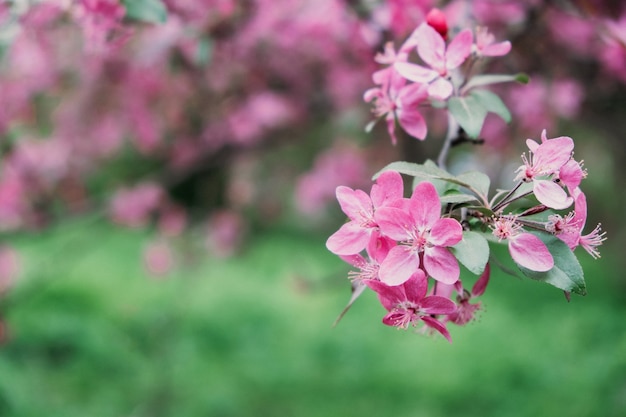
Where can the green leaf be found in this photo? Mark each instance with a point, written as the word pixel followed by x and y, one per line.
pixel 492 103
pixel 472 251
pixel 457 198
pixel 488 79
pixel 469 113
pixel 151 11
pixel 427 170
pixel 567 274
pixel 476 181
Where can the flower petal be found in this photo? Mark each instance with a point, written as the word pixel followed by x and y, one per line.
pixel 389 296
pixel 440 264
pixel 553 154
pixel 401 262
pixel 388 187
pixel 350 239
pixel 394 223
pixel 459 49
pixel 425 205
pixel 415 73
pixel 412 122
pixel 446 232
pixel 530 252
pixel 355 203
pixel 437 325
pixel 440 89
pixel 551 194
pixel 431 47
pixel 497 49
pixel 437 305
pixel 416 287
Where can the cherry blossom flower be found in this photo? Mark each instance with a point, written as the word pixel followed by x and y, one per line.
pixel 526 249
pixel 399 101
pixel 423 236
pixel 377 249
pixel 360 208
pixel 543 163
pixel 569 228
pixel 408 304
pixel 440 58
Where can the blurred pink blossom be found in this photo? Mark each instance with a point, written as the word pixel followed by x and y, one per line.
pixel 158 258
pixel 132 206
pixel 225 234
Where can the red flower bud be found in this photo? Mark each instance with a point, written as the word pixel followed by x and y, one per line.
pixel 437 20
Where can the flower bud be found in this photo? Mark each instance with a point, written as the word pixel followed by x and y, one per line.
pixel 437 20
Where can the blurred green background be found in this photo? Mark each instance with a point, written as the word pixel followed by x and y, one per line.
pixel 91 334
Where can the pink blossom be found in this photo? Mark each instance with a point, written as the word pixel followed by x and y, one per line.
pixel 440 58
pixel 569 228
pixel 542 165
pixel 466 311
pixel 400 101
pixel 526 249
pixel 408 304
pixel 423 236
pixel 486 46
pixel 360 208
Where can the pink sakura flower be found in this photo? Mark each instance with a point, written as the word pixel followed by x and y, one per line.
pixel 485 45
pixel 397 100
pixel 542 166
pixel 408 304
pixel 423 236
pixel 377 249
pixel 526 249
pixel 355 235
pixel 431 47
pixel 569 228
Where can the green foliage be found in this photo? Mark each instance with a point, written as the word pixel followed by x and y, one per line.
pixel 150 11
pixel 472 252
pixel 489 79
pixel 92 335
pixel 469 114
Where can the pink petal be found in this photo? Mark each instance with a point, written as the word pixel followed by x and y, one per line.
pixel 416 73
pixel 437 325
pixel 401 262
pixel 551 194
pixel 571 174
pixel 416 287
pixel 446 232
pixel 437 305
pixel 389 296
pixel 440 89
pixel 413 122
pixel 379 246
pixel 530 252
pixel 481 284
pixel 412 94
pixel 459 49
pixel 350 239
pixel 431 47
pixel 355 203
pixel 532 145
pixel 425 205
pixel 553 153
pixel 580 208
pixel 440 264
pixel 394 223
pixel 497 49
pixel 388 187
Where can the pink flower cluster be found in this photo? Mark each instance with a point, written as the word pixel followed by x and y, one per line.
pixel 437 79
pixel 406 241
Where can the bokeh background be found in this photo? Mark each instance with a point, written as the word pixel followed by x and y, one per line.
pixel 167 184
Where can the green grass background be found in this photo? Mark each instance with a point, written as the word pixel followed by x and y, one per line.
pixel 92 335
